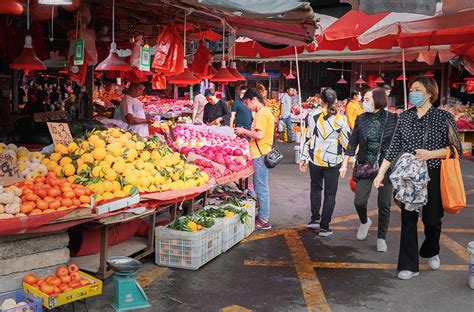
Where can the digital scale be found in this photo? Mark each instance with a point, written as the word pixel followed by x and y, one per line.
pixel 129 295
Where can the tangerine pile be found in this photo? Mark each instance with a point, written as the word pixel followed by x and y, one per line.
pixel 66 279
pixel 47 194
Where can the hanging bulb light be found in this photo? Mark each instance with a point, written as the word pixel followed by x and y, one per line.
pixel 401 77
pixel 185 78
pixel 223 75
pixel 290 76
pixel 360 81
pixel 264 72
pixel 379 78
pixel 428 74
pixel 113 62
pixel 28 59
pixel 233 70
pixel 342 80
pixel 256 73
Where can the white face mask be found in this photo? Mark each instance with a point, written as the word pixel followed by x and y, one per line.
pixel 359 97
pixel 368 107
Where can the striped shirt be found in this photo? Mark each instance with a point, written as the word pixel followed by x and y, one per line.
pixel 324 138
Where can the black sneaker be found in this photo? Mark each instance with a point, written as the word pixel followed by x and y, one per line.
pixel 313 225
pixel 325 233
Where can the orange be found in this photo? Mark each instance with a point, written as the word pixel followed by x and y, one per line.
pixel 36 212
pixel 41 204
pixel 85 199
pixel 66 202
pixel 30 279
pixel 27 207
pixel 49 211
pixel 54 205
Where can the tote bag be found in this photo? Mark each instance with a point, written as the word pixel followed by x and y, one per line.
pixel 453 195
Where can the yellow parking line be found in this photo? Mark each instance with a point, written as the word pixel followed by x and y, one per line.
pixel 149 274
pixel 268 263
pixel 235 308
pixel 455 247
pixel 380 266
pixel 310 285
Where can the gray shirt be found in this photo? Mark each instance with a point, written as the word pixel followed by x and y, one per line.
pixel 285 105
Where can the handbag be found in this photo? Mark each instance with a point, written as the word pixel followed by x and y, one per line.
pixel 273 158
pixel 453 195
pixel 370 169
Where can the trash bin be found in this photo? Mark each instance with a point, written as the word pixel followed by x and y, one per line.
pixel 297 137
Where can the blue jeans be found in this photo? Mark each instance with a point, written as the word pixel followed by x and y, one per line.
pixel 260 181
pixel 287 121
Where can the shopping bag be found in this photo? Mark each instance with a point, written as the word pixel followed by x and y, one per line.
pixel 281 126
pixel 453 195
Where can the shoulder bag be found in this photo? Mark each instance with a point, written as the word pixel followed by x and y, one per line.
pixel 370 169
pixel 273 158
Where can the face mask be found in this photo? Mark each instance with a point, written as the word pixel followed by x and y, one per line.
pixel 368 107
pixel 416 98
pixel 388 93
pixel 359 97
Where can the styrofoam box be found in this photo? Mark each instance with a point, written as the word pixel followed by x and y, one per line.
pixel 187 250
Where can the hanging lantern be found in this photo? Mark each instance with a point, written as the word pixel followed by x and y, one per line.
pixel 428 74
pixel 186 78
pixel 401 77
pixel 233 70
pixel 28 59
pixel 223 75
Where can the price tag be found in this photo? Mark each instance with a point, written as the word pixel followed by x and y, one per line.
pixel 9 173
pixel 50 116
pixel 79 52
pixel 145 59
pixel 60 133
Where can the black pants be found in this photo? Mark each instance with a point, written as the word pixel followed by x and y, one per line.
pixel 330 177
pixel 384 201
pixel 431 217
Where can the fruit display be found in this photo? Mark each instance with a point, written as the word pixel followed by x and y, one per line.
pixel 29 163
pixel 50 194
pixel 65 279
pixel 463 114
pixel 154 106
pixel 104 98
pixel 10 305
pixel 224 150
pixel 10 202
pixel 274 106
pixel 114 163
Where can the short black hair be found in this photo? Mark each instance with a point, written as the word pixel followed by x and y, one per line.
pixel 134 85
pixel 329 96
pixel 243 88
pixel 354 93
pixel 208 92
pixel 253 93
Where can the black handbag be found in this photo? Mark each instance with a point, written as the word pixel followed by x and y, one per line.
pixel 273 158
pixel 370 169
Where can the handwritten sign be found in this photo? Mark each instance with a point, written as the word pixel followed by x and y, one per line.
pixel 9 173
pixel 60 132
pixel 50 116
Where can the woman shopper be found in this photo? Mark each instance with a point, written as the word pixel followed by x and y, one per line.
pixel 372 134
pixel 423 131
pixel 353 108
pixel 325 135
pixel 260 145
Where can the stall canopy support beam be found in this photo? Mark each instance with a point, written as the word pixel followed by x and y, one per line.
pixel 405 101
pixel 90 92
pixel 15 90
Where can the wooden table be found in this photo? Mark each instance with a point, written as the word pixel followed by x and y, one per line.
pixel 135 246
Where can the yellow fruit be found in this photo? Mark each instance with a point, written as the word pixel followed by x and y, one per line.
pixel 229 214
pixel 192 226
pixel 108 195
pixel 165 187
pixel 131 179
pixel 99 188
pixel 97 172
pixel 93 138
pixel 109 186
pixel 160 164
pixel 144 181
pixel 178 185
pixel 36 156
pixel 145 155
pixel 98 198
pixel 99 153
pixel 86 145
pixel 80 161
pixel 119 167
pixel 175 176
pixel 69 170
pixel 110 159
pixel 152 188
pixel 120 193
pixel 105 164
pixel 116 186
pixel 58 170
pixel 23 159
pixel 71 179
pixel 60 148
pixel 130 145
pixel 190 183
pixel 55 157
pixel 205 176
pixel 82 167
pixel 45 161
pixel 110 175
pixel 128 135
pixel 159 179
pixel 52 165
pixel 99 144
pixel 65 160
pixel 132 154
pixel 127 189
pixel 140 145
pixel 72 147
pixel 87 158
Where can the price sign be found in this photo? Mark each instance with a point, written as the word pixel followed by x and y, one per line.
pixel 9 173
pixel 79 52
pixel 145 59
pixel 60 133
pixel 50 116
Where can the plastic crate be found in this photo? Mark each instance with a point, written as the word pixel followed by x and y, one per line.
pixel 187 250
pixel 233 231
pixel 250 206
pixel 33 303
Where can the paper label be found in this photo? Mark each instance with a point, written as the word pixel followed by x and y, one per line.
pixel 145 60
pixel 60 133
pixel 79 52
pixel 9 173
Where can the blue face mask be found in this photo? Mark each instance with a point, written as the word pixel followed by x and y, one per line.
pixel 416 98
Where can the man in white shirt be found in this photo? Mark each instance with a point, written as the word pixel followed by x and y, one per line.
pixel 286 104
pixel 132 111
pixel 200 102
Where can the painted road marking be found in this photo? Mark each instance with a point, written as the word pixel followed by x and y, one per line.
pixel 310 285
pixel 235 308
pixel 149 274
pixel 268 263
pixel 455 247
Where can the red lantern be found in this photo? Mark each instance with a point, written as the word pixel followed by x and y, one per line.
pixel 11 7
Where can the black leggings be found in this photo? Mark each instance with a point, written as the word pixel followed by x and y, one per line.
pixel 431 217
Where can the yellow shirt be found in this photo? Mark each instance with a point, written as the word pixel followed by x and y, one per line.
pixel 263 121
pixel 353 109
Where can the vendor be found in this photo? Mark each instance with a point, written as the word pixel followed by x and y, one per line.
pixel 216 112
pixel 199 102
pixel 132 111
pixel 241 115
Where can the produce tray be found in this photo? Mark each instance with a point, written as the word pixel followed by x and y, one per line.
pixel 187 250
pixel 51 302
pixel 32 303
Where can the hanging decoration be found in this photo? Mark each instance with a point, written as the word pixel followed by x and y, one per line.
pixel 28 59
pixel 201 59
pixel 360 81
pixel 113 62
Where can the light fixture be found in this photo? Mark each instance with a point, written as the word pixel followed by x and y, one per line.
pixel 342 80
pixel 233 70
pixel 28 59
pixel 55 2
pixel 290 76
pixel 264 72
pixel 360 81
pixel 379 78
pixel 428 74
pixel 401 77
pixel 256 73
pixel 223 75
pixel 113 62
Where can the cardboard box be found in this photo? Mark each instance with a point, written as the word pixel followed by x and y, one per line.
pixel 51 302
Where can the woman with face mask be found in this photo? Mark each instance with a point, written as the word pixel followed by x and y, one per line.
pixel 423 131
pixel 353 108
pixel 372 134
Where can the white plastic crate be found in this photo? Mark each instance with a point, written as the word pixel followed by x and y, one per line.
pixel 250 207
pixel 233 231
pixel 187 250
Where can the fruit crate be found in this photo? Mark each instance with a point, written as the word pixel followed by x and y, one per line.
pixel 250 207
pixel 29 302
pixel 187 250
pixel 233 231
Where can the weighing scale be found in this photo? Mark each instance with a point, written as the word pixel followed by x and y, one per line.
pixel 129 295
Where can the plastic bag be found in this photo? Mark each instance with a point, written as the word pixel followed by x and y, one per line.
pixel 12 7
pixel 281 126
pixel 158 82
pixel 78 73
pixel 201 60
pixel 88 35
pixel 453 195
pixel 136 75
pixel 135 56
pixel 169 54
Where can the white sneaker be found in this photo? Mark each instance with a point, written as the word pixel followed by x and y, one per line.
pixel 364 229
pixel 381 245
pixel 434 262
pixel 406 275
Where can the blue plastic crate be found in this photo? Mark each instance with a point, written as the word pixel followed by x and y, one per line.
pixel 33 303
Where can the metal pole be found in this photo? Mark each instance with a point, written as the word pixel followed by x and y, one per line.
pixel 299 86
pixel 404 80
